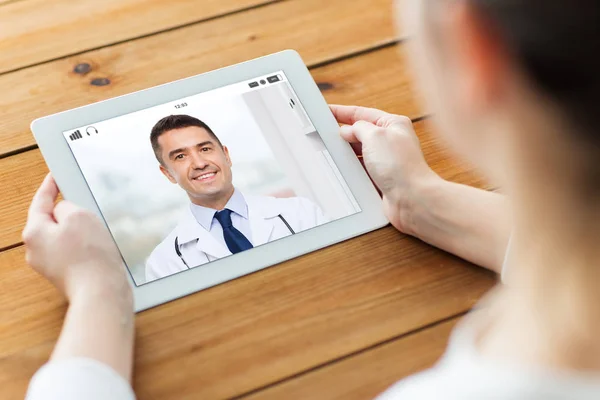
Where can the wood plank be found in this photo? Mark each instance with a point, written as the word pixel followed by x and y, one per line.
pixel 259 329
pixel 378 79
pixel 300 24
pixel 35 31
pixel 4 2
pixel 24 172
pixel 369 373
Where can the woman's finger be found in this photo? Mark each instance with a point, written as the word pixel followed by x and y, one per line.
pixel 364 131
pixel 42 204
pixel 349 115
pixel 39 218
pixel 347 133
pixel 63 210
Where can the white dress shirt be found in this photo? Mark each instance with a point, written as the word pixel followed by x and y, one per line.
pixel 262 219
pixel 239 217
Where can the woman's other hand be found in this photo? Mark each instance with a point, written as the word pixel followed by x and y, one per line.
pixel 391 155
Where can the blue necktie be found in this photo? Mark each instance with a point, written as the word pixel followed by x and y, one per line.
pixel 235 240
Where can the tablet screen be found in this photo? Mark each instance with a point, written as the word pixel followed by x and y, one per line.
pixel 192 181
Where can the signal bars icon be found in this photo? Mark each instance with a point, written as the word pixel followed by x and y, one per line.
pixel 75 135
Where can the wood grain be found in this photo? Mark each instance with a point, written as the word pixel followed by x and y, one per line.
pixel 319 30
pixel 35 31
pixel 259 329
pixel 369 373
pixel 5 2
pixel 378 79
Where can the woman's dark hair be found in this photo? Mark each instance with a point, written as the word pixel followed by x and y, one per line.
pixel 557 43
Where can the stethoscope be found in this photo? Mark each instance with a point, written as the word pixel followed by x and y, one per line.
pixel 188 267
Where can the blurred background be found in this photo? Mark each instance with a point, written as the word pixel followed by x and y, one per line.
pixel 138 203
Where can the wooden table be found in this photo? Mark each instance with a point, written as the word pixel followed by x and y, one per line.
pixel 346 321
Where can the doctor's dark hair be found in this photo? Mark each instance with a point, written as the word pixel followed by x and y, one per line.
pixel 173 122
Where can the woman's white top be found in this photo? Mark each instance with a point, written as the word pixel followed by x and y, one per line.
pixel 78 379
pixel 461 374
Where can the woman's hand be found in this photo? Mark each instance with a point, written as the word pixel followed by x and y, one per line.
pixel 391 154
pixel 71 247
pixel 471 223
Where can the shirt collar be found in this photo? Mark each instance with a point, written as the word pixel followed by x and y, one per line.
pixel 204 215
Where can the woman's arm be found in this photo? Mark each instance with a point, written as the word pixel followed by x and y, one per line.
pixel 71 248
pixel 99 325
pixel 470 223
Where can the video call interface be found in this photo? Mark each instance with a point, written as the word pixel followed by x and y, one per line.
pixel 195 180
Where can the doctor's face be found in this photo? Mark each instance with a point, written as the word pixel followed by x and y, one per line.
pixel 193 159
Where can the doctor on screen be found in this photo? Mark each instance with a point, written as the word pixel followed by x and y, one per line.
pixel 221 220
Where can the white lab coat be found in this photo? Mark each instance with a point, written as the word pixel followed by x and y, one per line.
pixel 265 224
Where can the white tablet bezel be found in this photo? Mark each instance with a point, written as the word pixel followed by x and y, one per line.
pixel 48 132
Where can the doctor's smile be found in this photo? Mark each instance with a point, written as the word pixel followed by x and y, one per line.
pixel 205 177
pixel 221 220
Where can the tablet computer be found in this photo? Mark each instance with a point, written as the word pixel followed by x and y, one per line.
pixel 212 177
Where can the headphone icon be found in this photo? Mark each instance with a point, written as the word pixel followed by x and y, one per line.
pixel 91 129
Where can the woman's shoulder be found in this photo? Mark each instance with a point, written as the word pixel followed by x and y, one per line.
pixel 464 374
